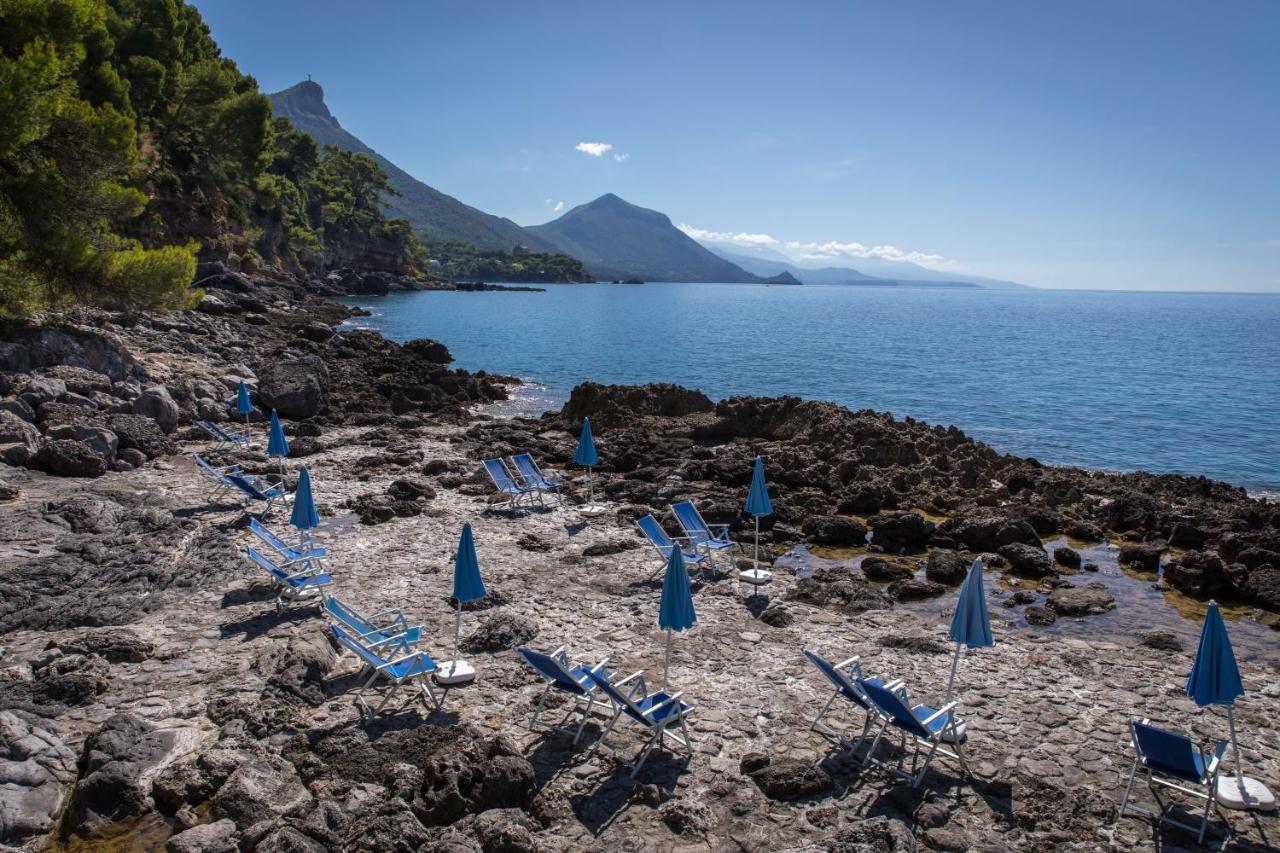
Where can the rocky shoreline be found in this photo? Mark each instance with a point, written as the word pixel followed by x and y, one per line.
pixel 151 695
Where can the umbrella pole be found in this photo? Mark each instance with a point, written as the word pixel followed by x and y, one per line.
pixel 755 562
pixel 457 635
pixel 1235 753
pixel 666 662
pixel 590 489
pixel 951 682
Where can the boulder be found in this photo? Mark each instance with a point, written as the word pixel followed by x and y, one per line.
pixel 101 440
pixel 19 440
pixel 619 405
pixel 428 350
pixel 1030 561
pixel 989 533
pixel 36 769
pixel 68 458
pixel 840 589
pixel 1262 585
pixel 1146 557
pixel 154 402
pixel 1197 573
pixel 20 408
pixel 900 531
pixel 880 569
pixel 42 389
pixel 137 432
pixel 120 761
pixel 263 788
pixel 835 530
pixel 1165 641
pixel 316 331
pixel 1068 557
pixel 216 837
pixel 946 566
pixel 295 389
pixel 500 632
pixel 912 589
pixel 116 645
pixel 791 779
pixel 1037 615
pixel 1081 600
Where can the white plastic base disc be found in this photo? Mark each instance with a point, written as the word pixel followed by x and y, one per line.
pixel 755 577
pixel 1256 798
pixel 592 510
pixel 455 672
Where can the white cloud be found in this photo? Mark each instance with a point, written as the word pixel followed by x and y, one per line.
pixel 818 251
pixel 621 157
pixel 594 149
pixel 559 207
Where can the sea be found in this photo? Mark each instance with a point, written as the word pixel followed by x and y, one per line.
pixel 1163 382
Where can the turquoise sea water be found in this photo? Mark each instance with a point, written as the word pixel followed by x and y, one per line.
pixel 1182 382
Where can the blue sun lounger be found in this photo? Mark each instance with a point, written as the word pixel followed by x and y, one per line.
pixel 659 712
pixel 533 478
pixel 844 677
pixel 292 587
pixel 506 484
pixel 253 490
pixel 414 667
pixel 385 628
pixel 922 725
pixel 567 677
pixel 1172 760
pixel 290 554
pixel 701 535
pixel 664 544
pixel 221 435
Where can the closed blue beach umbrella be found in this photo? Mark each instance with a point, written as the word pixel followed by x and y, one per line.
pixel 277 445
pixel 675 613
pixel 304 515
pixel 586 455
pixel 244 406
pixel 970 624
pixel 467 586
pixel 758 503
pixel 1215 680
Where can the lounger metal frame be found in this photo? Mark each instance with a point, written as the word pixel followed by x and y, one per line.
pixel 533 478
pixel 625 694
pixel 897 711
pixel 507 484
pixel 843 677
pixel 413 667
pixel 1206 790
pixel 585 687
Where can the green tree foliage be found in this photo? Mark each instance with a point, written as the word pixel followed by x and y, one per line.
pixel 128 143
pixel 465 262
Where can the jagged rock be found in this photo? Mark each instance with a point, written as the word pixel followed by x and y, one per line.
pixel 432 352
pixel 500 632
pixel 216 837
pixel 137 432
pixel 9 492
pixel 505 831
pixel 873 835
pixel 946 566
pixel 989 534
pixel 1196 573
pixel 120 761
pixel 835 530
pixel 19 440
pixel 912 589
pixel 19 408
pixel 297 668
pixel 68 458
pixel 315 331
pixel 1019 598
pixel 1068 557
pixel 838 588
pixel 263 788
pixel 410 490
pixel 1030 561
pixel 790 779
pixel 1037 615
pixel 35 770
pixel 777 616
pixel 616 405
pixel 295 389
pixel 1081 600
pixel 900 531
pixel 155 403
pixel 1165 641
pixel 100 440
pixel 42 389
pixel 685 816
pixel 508 780
pixel 1143 556
pixel 880 569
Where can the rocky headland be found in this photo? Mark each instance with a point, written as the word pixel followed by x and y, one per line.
pixel 152 696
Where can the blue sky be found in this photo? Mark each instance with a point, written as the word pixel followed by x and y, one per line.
pixel 1131 145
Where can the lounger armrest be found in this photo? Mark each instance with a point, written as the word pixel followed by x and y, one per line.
pixel 391 611
pixel 1215 758
pixel 945 709
pixel 399 660
pixel 400 638
pixel 664 703
pixel 304 558
pixel 893 685
pixel 845 663
pixel 558 652
pixel 637 674
pixel 305 573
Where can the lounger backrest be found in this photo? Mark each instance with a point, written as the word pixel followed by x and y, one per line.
pixel 367 655
pixel 836 677
pixel 550 668
pixel 892 705
pixel 246 486
pixel 348 617
pixel 527 468
pixel 267 536
pixel 650 527
pixel 271 567
pixel 498 473
pixel 619 698
pixel 1169 752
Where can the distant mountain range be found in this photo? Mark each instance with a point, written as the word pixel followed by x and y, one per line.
pixel 433 214
pixel 618 240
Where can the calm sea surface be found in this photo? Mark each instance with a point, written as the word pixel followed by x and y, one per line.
pixel 1156 381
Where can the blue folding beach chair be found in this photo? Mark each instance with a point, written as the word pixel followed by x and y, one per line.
pixel 254 491
pixel 664 544
pixel 385 628
pixel 922 725
pixel 506 485
pixel 290 554
pixel 533 478
pixel 292 587
pixel 658 712
pixel 221 435
pixel 567 677
pixel 1171 759
pixel 701 535
pixel 844 677
pixel 414 667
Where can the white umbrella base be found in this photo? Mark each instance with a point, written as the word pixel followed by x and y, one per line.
pixel 1257 797
pixel 455 672
pixel 755 577
pixel 950 736
pixel 592 510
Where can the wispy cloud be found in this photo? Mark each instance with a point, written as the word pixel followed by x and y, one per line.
pixel 621 157
pixel 594 149
pixel 556 206
pixel 806 250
